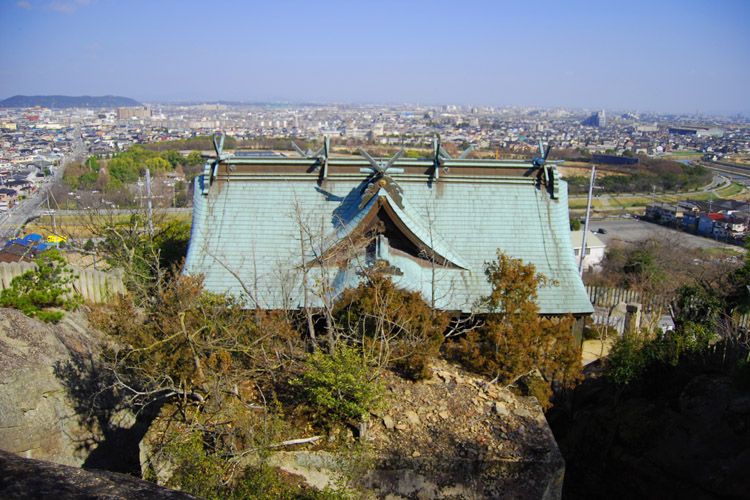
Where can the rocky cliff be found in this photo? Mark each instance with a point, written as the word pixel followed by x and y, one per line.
pixel 38 418
pixel 448 437
pixel 48 373
pixel 22 479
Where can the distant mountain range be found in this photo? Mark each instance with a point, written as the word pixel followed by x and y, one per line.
pixel 64 101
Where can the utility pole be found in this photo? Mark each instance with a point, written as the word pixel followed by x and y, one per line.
pixel 54 222
pixel 586 223
pixel 148 203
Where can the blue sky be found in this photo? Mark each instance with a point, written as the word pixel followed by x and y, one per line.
pixel 666 56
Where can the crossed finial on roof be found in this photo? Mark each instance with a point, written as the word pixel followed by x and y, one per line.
pixel 440 155
pixel 321 155
pixel 210 170
pixel 547 173
pixel 379 178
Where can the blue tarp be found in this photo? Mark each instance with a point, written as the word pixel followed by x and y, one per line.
pixel 30 240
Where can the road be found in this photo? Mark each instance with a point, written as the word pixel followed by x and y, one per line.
pixel 12 221
pixel 718 182
pixel 632 230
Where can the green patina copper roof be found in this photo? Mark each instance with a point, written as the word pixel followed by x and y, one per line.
pixel 261 224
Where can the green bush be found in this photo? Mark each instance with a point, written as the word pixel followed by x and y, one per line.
pixel 195 470
pixel 691 340
pixel 264 483
pixel 47 286
pixel 340 386
pixel 627 360
pixel 633 354
pixel 201 472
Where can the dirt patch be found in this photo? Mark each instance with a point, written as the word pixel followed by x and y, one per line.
pixel 456 415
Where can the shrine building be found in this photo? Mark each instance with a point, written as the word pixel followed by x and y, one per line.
pixel 294 231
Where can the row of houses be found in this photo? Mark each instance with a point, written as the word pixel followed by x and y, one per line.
pixel 15 185
pixel 720 219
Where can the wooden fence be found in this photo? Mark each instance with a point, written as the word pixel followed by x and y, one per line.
pixel 605 298
pixel 601 296
pixel 94 286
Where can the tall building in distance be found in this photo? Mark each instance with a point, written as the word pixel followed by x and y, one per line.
pixel 598 119
pixel 138 112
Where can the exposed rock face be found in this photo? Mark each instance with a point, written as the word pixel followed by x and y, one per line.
pixel 451 437
pixel 38 419
pixel 447 438
pixel 22 478
pixel 46 377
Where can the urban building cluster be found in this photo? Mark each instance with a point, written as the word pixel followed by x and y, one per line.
pixel 15 184
pixel 35 141
pixel 725 220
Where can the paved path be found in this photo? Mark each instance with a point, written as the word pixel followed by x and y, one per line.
pixel 593 350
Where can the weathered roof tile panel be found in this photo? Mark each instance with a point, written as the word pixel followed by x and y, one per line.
pixel 248 234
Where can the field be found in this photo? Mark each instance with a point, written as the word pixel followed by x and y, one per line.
pixel 733 190
pixel 581 169
pixel 681 155
pixel 581 203
pixel 83 226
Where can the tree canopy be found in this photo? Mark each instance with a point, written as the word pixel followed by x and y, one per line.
pixel 47 287
pixel 113 174
pixel 515 340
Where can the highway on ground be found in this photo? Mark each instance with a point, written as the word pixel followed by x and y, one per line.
pixel 718 182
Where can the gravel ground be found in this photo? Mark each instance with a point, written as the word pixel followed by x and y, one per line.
pixel 632 230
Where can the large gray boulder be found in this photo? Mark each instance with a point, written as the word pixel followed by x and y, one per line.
pixel 46 377
pixel 22 479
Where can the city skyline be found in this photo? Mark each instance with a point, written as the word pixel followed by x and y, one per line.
pixel 667 57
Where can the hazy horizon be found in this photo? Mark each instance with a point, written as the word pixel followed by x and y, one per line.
pixel 667 57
